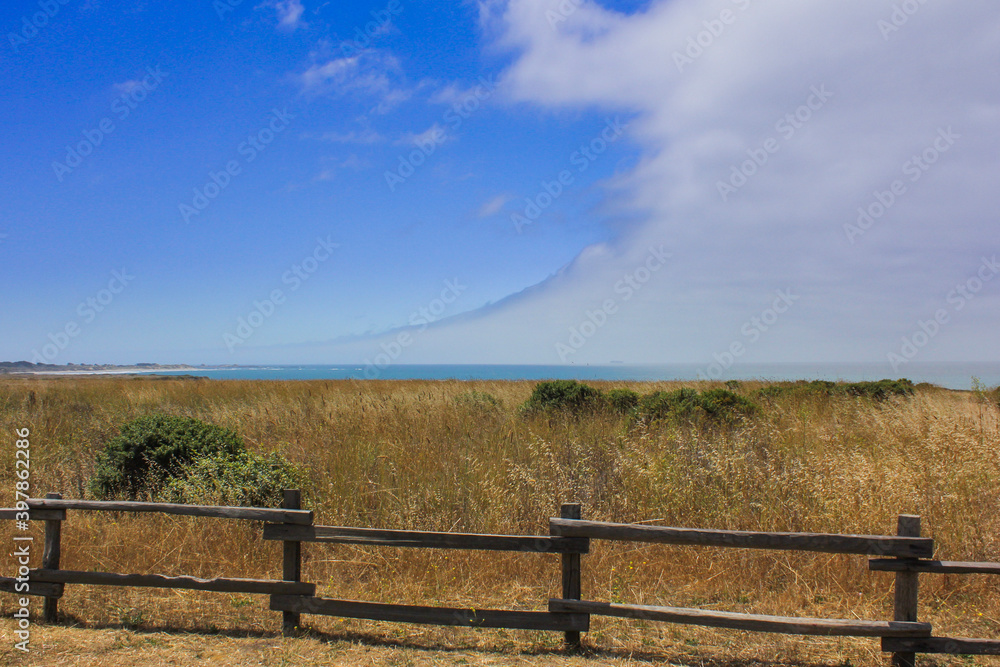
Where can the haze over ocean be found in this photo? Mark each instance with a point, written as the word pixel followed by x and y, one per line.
pixel 950 375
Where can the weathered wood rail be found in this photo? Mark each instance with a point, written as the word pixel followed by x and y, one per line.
pixel 906 554
pixel 912 547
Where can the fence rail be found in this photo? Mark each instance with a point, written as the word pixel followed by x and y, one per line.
pixel 477 618
pixel 909 547
pixel 939 566
pixel 952 645
pixel 218 585
pixel 906 554
pixel 755 622
pixel 427 540
pixel 298 517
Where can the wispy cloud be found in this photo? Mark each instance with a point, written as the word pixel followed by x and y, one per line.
pixel 435 134
pixel 126 87
pixel 331 74
pixel 493 206
pixel 449 94
pixel 372 76
pixel 353 162
pixel 289 13
pixel 325 175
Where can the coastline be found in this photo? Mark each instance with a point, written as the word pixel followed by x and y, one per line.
pixel 951 375
pixel 21 369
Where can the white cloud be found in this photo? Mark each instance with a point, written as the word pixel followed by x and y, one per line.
pixel 696 113
pixel 370 75
pixel 354 163
pixel 289 14
pixel 449 94
pixel 333 73
pixel 391 99
pixel 785 227
pixel 126 87
pixel 493 206
pixel 433 135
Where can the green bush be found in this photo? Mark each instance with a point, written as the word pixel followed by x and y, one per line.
pixel 714 405
pixel 151 449
pixel 562 396
pixel 822 387
pixel 773 391
pixel 881 390
pixel 876 391
pixel 622 401
pixel 677 404
pixel 243 479
pixel 724 405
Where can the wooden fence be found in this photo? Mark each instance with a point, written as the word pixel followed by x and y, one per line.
pixel 906 553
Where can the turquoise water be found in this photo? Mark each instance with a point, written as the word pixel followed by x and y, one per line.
pixel 951 375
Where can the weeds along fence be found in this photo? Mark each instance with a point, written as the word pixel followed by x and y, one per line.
pixel 907 554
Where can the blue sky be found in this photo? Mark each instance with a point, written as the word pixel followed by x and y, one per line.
pixel 507 182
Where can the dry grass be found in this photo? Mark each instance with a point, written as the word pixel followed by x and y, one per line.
pixel 412 454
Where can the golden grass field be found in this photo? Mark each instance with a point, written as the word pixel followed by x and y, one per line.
pixel 413 454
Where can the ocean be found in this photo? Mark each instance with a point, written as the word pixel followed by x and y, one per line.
pixel 952 375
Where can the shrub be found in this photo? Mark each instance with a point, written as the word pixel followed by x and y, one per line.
pixel 622 401
pixel 715 405
pixel 562 396
pixel 677 404
pixel 152 448
pixel 773 391
pixel 881 390
pixel 242 479
pixel 822 387
pixel 876 391
pixel 724 405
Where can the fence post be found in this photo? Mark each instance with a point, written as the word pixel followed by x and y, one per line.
pixel 571 587
pixel 905 608
pixel 291 562
pixel 50 558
